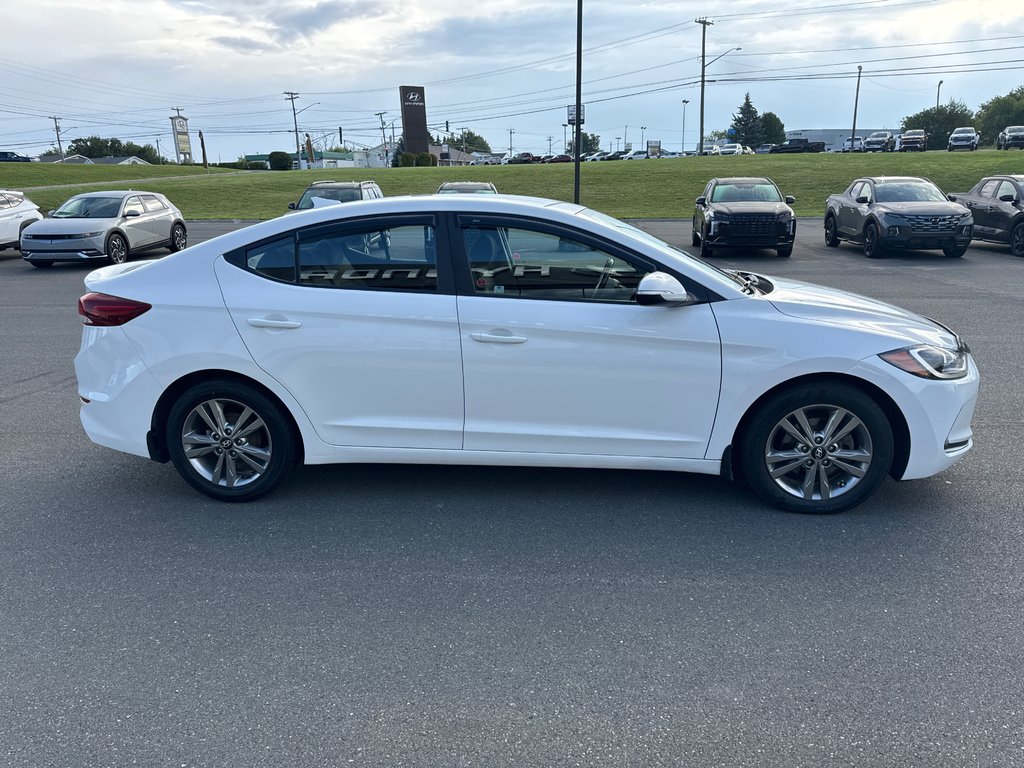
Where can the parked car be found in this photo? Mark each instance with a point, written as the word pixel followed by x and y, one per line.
pixel 104 225
pixel 544 159
pixel 743 212
pixel 523 158
pixel 16 213
pixel 560 159
pixel 897 212
pixel 764 149
pixel 240 358
pixel 880 141
pixel 330 192
pixel 1011 136
pixel 486 160
pixel 464 187
pixel 964 138
pixel 594 157
pixel 616 155
pixel 797 145
pixel 730 149
pixel 853 144
pixel 635 154
pixel 711 149
pixel 14 157
pixel 997 205
pixel 748 151
pixel 914 140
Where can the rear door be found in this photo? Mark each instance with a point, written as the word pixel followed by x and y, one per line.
pixel 365 339
pixel 137 228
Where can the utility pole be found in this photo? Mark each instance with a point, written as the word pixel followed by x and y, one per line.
pixel 463 129
pixel 383 136
pixel 56 128
pixel 292 96
pixel 704 23
pixel 510 132
pixel 550 139
pixel 856 98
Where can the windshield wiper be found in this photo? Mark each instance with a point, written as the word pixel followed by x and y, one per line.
pixel 748 280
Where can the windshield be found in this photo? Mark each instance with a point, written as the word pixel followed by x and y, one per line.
pixel 745 193
pixel 1015 129
pixel 963 131
pixel 89 208
pixel 879 135
pixel 908 192
pixel 342 195
pixel 913 134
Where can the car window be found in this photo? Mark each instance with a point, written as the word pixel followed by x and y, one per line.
pixel 275 259
pixel 862 189
pixel 133 204
pixel 401 258
pixel 1006 188
pixel 341 195
pixel 988 188
pixel 524 263
pixel 5 202
pixel 153 203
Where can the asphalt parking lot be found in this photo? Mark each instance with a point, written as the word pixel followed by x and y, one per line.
pixel 429 616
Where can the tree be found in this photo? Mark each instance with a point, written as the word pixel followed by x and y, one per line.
pixel 746 125
pixel 468 141
pixel 772 129
pixel 939 122
pixel 94 146
pixel 280 161
pixel 589 143
pixel 997 113
pixel 713 136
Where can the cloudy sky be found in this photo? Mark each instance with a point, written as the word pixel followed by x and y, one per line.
pixel 118 68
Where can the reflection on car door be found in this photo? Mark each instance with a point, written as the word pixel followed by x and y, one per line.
pixel 853 214
pixel 363 339
pixel 138 229
pixel 158 222
pixel 558 358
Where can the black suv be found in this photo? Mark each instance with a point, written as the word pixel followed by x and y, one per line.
pixel 1011 136
pixel 743 212
pixel 880 141
pixel 14 157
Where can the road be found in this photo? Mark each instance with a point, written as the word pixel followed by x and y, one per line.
pixel 450 616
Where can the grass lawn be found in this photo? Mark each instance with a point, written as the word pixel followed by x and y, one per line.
pixel 626 189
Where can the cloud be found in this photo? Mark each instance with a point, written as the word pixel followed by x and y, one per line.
pixel 244 44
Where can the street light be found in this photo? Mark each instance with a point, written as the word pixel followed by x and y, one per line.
pixel 937 92
pixel 565 145
pixel 682 141
pixel 642 129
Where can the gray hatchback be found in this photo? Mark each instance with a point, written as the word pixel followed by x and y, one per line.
pixel 104 225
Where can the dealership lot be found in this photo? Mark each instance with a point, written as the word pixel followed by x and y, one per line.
pixel 392 615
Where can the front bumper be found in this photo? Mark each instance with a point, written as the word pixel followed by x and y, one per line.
pixel 904 236
pixel 63 249
pixel 765 232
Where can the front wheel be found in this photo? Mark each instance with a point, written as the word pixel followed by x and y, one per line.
pixel 179 238
pixel 785 252
pixel 872 246
pixel 955 252
pixel 1017 240
pixel 117 249
pixel 817 448
pixel 831 232
pixel 706 251
pixel 229 440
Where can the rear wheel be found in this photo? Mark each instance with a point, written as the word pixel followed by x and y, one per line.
pixel 831 232
pixel 117 249
pixel 179 238
pixel 817 448
pixel 872 247
pixel 229 440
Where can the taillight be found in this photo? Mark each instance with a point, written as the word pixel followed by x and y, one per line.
pixel 101 309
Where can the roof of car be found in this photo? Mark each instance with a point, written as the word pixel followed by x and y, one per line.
pixel 339 184
pixel 743 180
pixel 117 193
pixel 467 186
pixel 892 179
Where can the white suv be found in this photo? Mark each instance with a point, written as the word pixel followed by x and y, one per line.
pixel 16 213
pixel 330 192
pixel 964 138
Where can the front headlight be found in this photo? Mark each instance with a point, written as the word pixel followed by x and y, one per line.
pixel 929 361
pixel 86 235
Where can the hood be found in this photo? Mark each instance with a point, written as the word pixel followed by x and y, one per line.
pixel 751 207
pixel 830 305
pixel 70 226
pixel 923 208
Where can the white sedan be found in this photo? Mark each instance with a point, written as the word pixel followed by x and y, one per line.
pixel 514 332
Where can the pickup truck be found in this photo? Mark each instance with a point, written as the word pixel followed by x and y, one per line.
pixel 798 145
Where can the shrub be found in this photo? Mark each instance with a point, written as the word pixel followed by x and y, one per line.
pixel 280 161
pixel 407 160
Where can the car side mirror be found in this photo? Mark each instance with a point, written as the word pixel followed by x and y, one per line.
pixel 662 288
pixel 863 199
pixel 701 201
pixel 291 206
pixel 790 199
pixel 1008 198
pixel 131 214
pixel 951 198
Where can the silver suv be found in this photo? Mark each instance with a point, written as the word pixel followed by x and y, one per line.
pixel 330 192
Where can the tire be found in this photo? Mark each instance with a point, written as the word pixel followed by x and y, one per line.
pixel 240 468
pixel 831 232
pixel 41 264
pixel 955 252
pixel 872 248
pixel 179 238
pixel 117 249
pixel 706 251
pixel 785 252
pixel 1017 240
pixel 817 448
pixel 694 237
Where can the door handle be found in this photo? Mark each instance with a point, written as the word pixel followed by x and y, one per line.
pixel 497 338
pixel 262 322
